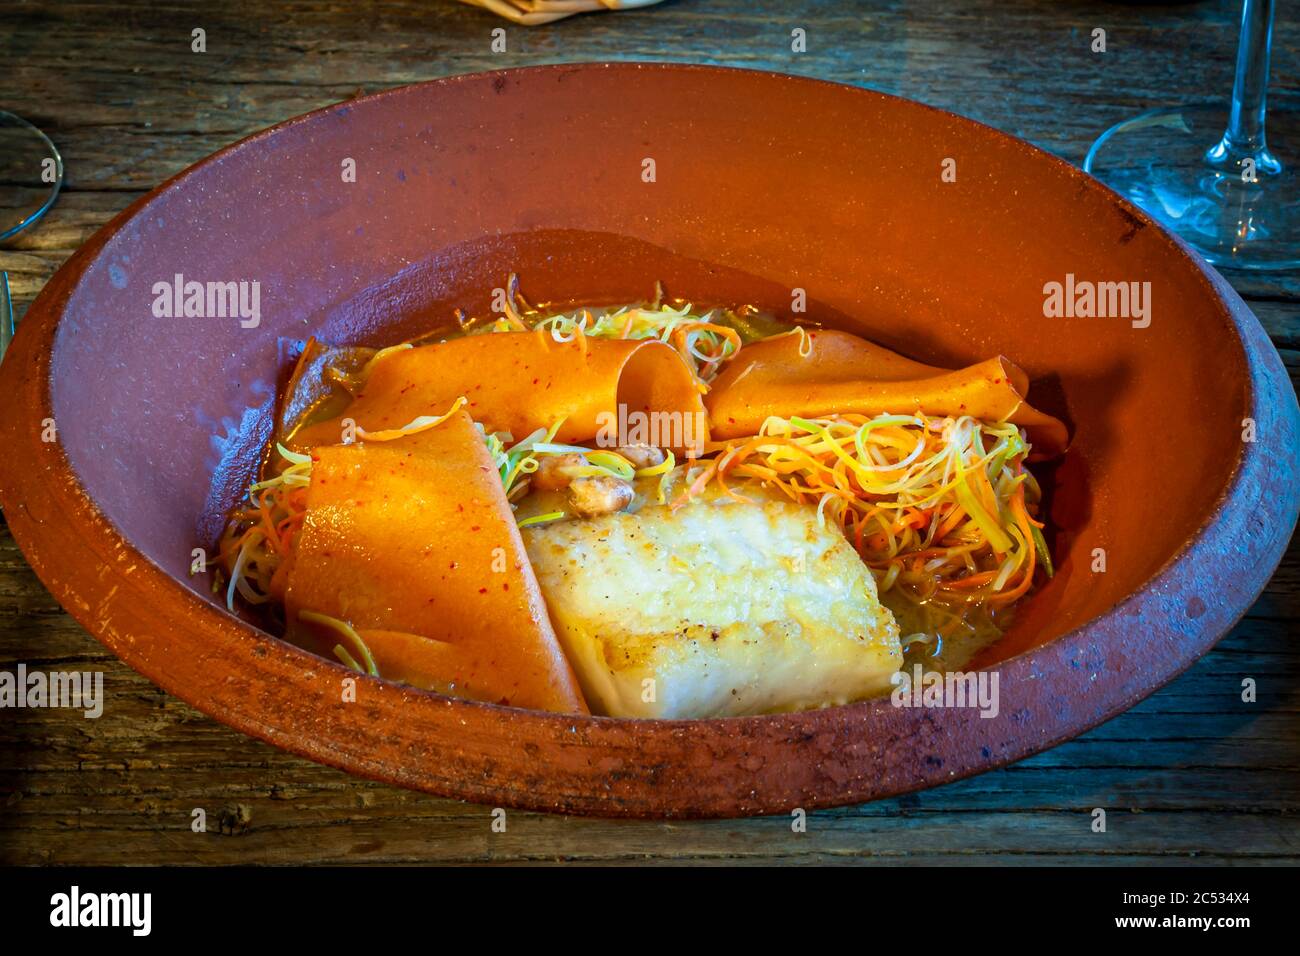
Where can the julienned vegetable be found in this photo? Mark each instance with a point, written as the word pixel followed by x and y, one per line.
pixel 634 562
pixel 704 341
pixel 936 507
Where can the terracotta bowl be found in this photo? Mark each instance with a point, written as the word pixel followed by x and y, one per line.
pixel 762 184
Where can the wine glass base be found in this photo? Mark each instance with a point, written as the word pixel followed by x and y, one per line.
pixel 31 172
pixel 1241 216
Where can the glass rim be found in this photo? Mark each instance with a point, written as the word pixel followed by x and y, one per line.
pixel 58 182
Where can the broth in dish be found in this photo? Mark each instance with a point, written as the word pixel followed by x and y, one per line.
pixel 643 510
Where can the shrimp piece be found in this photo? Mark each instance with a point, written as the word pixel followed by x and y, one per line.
pixel 553 471
pixel 642 456
pixel 601 495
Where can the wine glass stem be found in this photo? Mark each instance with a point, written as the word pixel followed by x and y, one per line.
pixel 1249 90
pixel 1244 137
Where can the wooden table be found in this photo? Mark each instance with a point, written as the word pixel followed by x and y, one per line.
pixel 1192 774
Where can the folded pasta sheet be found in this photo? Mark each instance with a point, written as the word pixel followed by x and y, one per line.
pixel 521 381
pixel 413 544
pixel 824 372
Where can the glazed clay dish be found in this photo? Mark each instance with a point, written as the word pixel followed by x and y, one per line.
pixel 936 371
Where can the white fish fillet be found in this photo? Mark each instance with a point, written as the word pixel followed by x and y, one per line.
pixel 717 609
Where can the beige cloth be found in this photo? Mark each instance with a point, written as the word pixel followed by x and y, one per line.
pixel 535 12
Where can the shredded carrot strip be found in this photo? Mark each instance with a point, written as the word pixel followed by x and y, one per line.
pixel 939 503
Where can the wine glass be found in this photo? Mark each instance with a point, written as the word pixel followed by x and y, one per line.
pixel 31 174
pixel 1207 172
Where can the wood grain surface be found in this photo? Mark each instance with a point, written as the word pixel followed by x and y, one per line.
pixel 1193 774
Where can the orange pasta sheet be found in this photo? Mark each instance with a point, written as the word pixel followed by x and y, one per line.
pixel 519 382
pixel 823 372
pixel 412 542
